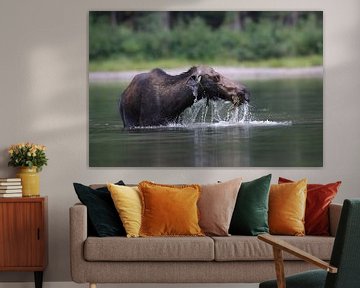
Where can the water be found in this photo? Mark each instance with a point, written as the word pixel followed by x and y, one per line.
pixel 211 113
pixel 282 127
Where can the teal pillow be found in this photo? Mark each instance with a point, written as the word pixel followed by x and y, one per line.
pixel 250 216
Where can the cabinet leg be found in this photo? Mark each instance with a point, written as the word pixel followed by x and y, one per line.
pixel 38 279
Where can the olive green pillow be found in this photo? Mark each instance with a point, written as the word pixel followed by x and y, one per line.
pixel 250 216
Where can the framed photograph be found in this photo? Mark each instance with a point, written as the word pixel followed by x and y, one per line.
pixel 205 88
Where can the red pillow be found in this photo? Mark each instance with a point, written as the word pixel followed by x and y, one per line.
pixel 319 197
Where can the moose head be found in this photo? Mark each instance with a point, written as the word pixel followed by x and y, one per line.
pixel 205 82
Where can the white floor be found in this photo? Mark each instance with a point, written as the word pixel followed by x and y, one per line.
pixel 74 285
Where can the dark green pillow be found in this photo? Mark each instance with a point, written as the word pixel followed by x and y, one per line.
pixel 103 218
pixel 250 216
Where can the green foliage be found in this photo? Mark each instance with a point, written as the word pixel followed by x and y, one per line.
pixel 308 38
pixel 194 41
pixel 27 155
pixel 262 36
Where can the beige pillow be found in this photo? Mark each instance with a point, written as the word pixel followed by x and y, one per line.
pixel 216 206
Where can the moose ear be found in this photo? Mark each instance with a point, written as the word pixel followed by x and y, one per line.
pixel 193 81
pixel 196 78
pixel 193 84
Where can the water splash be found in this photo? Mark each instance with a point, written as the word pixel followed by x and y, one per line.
pixel 220 113
pixel 209 113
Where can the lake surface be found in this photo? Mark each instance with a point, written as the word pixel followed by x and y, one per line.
pixel 282 127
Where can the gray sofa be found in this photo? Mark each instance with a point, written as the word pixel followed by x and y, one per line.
pixel 234 259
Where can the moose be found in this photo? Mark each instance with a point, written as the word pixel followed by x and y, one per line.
pixel 157 98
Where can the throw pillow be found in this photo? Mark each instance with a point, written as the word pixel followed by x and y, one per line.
pixel 250 215
pixel 169 210
pixel 102 215
pixel 319 197
pixel 287 208
pixel 127 201
pixel 216 206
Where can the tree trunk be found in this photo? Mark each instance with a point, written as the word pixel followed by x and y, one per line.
pixel 237 20
pixel 292 18
pixel 113 20
pixel 165 19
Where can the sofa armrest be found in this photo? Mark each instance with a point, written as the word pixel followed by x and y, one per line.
pixel 334 217
pixel 78 235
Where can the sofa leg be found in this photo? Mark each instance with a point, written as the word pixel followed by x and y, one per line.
pixel 92 285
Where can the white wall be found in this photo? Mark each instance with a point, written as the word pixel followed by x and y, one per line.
pixel 43 88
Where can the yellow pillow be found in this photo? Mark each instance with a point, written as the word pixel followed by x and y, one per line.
pixel 169 210
pixel 287 204
pixel 127 201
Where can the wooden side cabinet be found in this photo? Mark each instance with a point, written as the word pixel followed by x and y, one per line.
pixel 23 235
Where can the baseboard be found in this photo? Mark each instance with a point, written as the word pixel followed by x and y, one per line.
pixel 74 285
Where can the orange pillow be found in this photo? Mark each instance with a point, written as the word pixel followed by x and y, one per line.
pixel 319 197
pixel 169 210
pixel 287 204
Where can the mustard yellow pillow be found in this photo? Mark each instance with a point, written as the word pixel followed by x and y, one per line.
pixel 127 201
pixel 287 204
pixel 169 210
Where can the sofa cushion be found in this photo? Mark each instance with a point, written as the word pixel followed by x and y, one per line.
pixel 216 205
pixel 287 204
pixel 244 248
pixel 127 201
pixel 250 215
pixel 102 216
pixel 149 249
pixel 169 210
pixel 318 199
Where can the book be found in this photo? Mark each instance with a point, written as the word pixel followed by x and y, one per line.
pixel 10 191
pixel 4 195
pixel 10 180
pixel 10 188
pixel 9 183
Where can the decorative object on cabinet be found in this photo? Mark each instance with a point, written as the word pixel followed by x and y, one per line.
pixel 30 158
pixel 10 187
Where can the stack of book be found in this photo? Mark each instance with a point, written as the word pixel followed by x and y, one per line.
pixel 10 187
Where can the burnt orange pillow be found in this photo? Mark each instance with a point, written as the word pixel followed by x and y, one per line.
pixel 319 197
pixel 287 204
pixel 169 210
